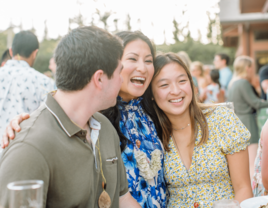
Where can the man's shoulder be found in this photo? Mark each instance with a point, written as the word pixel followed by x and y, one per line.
pixel 102 119
pixel 263 71
pixel 106 125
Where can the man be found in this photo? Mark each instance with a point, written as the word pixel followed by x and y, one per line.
pixel 264 81
pixel 22 88
pixel 5 57
pixel 66 143
pixel 52 66
pixel 221 62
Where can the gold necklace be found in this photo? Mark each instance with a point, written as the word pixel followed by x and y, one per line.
pixel 182 127
pixel 196 204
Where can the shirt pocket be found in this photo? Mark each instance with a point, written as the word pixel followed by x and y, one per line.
pixel 111 175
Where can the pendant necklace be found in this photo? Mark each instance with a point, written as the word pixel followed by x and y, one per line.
pixel 196 204
pixel 182 127
pixel 104 199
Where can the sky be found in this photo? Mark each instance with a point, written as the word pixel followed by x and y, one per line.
pixel 153 17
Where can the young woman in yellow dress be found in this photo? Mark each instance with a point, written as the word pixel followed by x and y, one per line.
pixel 206 156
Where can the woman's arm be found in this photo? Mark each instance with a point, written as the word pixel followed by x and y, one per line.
pixel 239 172
pixel 264 158
pixel 250 97
pixel 127 201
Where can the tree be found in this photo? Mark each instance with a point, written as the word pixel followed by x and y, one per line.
pixel 104 17
pixel 45 31
pixel 214 29
pixel 128 22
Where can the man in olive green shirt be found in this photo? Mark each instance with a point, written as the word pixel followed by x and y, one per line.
pixel 66 143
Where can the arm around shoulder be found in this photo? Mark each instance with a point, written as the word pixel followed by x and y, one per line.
pixel 22 162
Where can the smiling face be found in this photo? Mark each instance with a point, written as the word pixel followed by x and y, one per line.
pixel 172 90
pixel 138 69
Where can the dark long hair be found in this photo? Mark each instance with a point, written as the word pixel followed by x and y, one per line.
pixel 215 76
pixel 196 115
pixel 113 113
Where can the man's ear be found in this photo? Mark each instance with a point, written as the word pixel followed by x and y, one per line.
pixel 10 52
pixel 98 78
pixel 34 53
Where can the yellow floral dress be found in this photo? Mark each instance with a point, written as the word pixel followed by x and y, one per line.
pixel 207 179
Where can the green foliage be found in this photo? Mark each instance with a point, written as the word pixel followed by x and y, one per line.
pixel 3 43
pixel 46 50
pixel 197 51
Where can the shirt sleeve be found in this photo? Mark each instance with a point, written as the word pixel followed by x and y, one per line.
pixel 250 97
pixel 233 136
pixel 22 162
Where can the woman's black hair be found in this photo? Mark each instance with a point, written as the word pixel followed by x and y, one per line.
pixel 215 76
pixel 113 113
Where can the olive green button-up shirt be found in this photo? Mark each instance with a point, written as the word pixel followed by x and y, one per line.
pixel 50 147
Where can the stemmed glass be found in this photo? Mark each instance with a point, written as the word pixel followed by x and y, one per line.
pixel 229 105
pixel 26 194
pixel 226 203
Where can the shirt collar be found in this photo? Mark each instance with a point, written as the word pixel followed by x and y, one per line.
pixel 20 63
pixel 65 122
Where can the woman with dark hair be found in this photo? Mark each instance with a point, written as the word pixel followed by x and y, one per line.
pixel 206 156
pixel 142 150
pixel 214 88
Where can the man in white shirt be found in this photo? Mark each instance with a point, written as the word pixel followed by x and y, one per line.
pixel 22 88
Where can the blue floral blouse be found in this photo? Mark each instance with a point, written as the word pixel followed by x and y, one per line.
pixel 135 124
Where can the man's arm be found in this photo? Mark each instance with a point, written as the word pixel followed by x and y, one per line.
pixel 22 162
pixel 127 201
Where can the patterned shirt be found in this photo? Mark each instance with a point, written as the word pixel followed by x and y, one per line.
pixel 135 124
pixel 207 179
pixel 22 89
pixel 257 185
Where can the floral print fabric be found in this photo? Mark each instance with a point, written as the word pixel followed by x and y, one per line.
pixel 207 179
pixel 135 124
pixel 257 185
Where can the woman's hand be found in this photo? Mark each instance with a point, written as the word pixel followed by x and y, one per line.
pixel 239 172
pixel 12 127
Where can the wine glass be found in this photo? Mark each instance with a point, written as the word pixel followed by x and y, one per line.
pixel 226 203
pixel 229 105
pixel 26 194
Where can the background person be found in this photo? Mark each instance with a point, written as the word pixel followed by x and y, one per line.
pixel 263 73
pixel 22 88
pixel 246 102
pixel 52 66
pixel 206 156
pixel 187 61
pixel 5 57
pixel 197 71
pixel 214 88
pixel 221 62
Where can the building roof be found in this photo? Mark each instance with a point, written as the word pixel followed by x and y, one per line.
pixel 230 13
